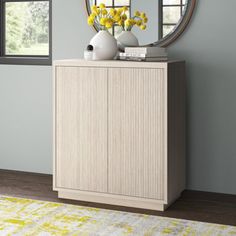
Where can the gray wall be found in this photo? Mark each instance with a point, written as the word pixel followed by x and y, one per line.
pixel 26 95
pixel 210 51
pixel 209 48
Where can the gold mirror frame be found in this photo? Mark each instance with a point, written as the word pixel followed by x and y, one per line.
pixel 176 32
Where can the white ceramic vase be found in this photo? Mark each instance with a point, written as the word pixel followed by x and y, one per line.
pixel 104 46
pixel 127 39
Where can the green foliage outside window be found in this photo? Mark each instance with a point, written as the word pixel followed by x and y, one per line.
pixel 27 28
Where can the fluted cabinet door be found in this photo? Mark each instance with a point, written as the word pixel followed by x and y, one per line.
pixel 137 125
pixel 81 128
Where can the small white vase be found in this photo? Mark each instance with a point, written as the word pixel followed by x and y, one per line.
pixel 105 46
pixel 127 39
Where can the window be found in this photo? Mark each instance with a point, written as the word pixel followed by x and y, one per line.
pixel 114 4
pixel 170 13
pixel 25 32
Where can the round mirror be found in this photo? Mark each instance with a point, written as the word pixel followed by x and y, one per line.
pixel 167 19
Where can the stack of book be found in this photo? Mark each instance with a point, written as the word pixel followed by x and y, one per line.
pixel 144 54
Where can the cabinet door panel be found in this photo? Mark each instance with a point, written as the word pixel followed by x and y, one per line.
pixel 81 128
pixel 137 118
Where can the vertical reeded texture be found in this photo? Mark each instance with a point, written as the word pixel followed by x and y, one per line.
pixel 81 128
pixel 120 132
pixel 137 127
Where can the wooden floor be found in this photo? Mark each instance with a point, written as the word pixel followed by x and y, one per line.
pixel 193 205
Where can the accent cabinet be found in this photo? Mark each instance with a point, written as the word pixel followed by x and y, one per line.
pixel 119 132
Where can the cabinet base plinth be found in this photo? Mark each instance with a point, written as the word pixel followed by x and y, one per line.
pixel 111 199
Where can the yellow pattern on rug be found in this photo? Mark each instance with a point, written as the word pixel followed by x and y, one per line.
pixel 26 217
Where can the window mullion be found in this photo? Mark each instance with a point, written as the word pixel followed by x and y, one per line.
pixel 1 28
pixel 160 16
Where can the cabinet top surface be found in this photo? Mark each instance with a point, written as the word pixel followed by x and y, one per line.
pixel 114 63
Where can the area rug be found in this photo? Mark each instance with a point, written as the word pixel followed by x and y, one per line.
pixel 39 218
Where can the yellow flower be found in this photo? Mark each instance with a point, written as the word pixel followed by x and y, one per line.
pixel 143 27
pixel 107 18
pixel 128 23
pixel 138 22
pixel 143 15
pixel 137 13
pixel 109 23
pixel 119 11
pixel 112 12
pixel 124 17
pixel 132 21
pixel 104 12
pixel 90 21
pixel 120 23
pixel 94 8
pixel 103 21
pixel 145 19
pixel 117 18
pixel 102 6
pixel 96 11
pixel 125 9
pixel 93 15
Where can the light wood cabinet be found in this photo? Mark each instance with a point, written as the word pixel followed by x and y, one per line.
pixel 81 141
pixel 119 132
pixel 136 121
